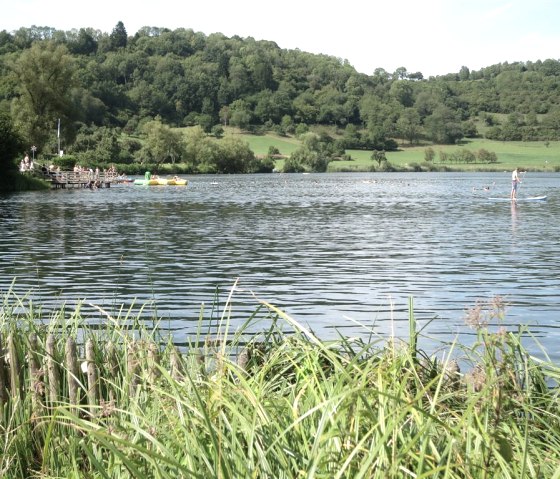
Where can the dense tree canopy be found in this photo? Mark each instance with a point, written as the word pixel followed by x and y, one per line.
pixel 118 81
pixel 44 78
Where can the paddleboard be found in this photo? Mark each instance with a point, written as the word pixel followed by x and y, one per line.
pixel 526 198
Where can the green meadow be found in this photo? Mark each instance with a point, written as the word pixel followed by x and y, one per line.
pixel 261 143
pixel 529 156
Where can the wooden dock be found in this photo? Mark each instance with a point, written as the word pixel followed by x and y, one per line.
pixel 85 179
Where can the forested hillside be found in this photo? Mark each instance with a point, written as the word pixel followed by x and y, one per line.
pixel 103 85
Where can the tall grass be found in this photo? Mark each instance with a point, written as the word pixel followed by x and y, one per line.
pixel 279 405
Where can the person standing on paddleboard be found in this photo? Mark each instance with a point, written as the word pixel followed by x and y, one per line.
pixel 514 183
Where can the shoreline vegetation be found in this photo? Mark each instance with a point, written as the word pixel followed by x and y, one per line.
pixel 117 398
pixel 536 156
pixel 528 156
pixel 183 101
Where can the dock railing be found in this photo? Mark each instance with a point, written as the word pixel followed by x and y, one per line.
pixel 83 179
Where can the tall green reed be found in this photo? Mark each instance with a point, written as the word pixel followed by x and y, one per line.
pixel 237 404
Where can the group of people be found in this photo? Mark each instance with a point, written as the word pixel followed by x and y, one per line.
pixel 93 184
pixel 26 164
pixel 149 176
pixel 90 172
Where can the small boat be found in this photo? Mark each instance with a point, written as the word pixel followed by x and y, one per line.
pixel 177 182
pixel 161 182
pixel 143 182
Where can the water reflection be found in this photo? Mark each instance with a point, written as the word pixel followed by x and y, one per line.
pixel 514 217
pixel 334 251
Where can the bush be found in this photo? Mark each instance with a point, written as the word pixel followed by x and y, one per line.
pixel 486 156
pixel 273 150
pixel 15 181
pixel 429 154
pixel 264 165
pixel 301 129
pixel 218 131
pixel 292 165
pixel 463 156
pixel 279 130
pixel 66 162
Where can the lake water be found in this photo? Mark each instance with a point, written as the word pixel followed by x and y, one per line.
pixel 337 252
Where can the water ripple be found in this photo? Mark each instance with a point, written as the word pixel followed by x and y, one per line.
pixel 332 250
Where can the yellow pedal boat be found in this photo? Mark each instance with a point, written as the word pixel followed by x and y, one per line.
pixel 161 182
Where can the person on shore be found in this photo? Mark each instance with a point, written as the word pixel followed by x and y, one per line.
pixel 25 165
pixel 515 180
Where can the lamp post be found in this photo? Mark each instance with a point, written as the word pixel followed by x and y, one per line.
pixel 33 150
pixel 58 135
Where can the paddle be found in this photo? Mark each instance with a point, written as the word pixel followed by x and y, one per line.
pixel 521 180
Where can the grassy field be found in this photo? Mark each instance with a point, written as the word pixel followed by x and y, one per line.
pixel 526 155
pixel 260 144
pixel 530 156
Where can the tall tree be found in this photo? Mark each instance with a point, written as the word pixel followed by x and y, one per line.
pixel 162 144
pixel 84 43
pixel 408 125
pixel 118 36
pixel 464 73
pixel 403 92
pixel 443 126
pixel 45 78
pixel 199 148
pixel 240 114
pixel 235 157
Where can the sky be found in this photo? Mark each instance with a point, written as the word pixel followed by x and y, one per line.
pixel 434 37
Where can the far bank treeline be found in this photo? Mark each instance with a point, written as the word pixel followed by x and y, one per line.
pixel 120 99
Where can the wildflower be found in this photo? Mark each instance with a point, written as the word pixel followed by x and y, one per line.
pixel 498 306
pixel 475 317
